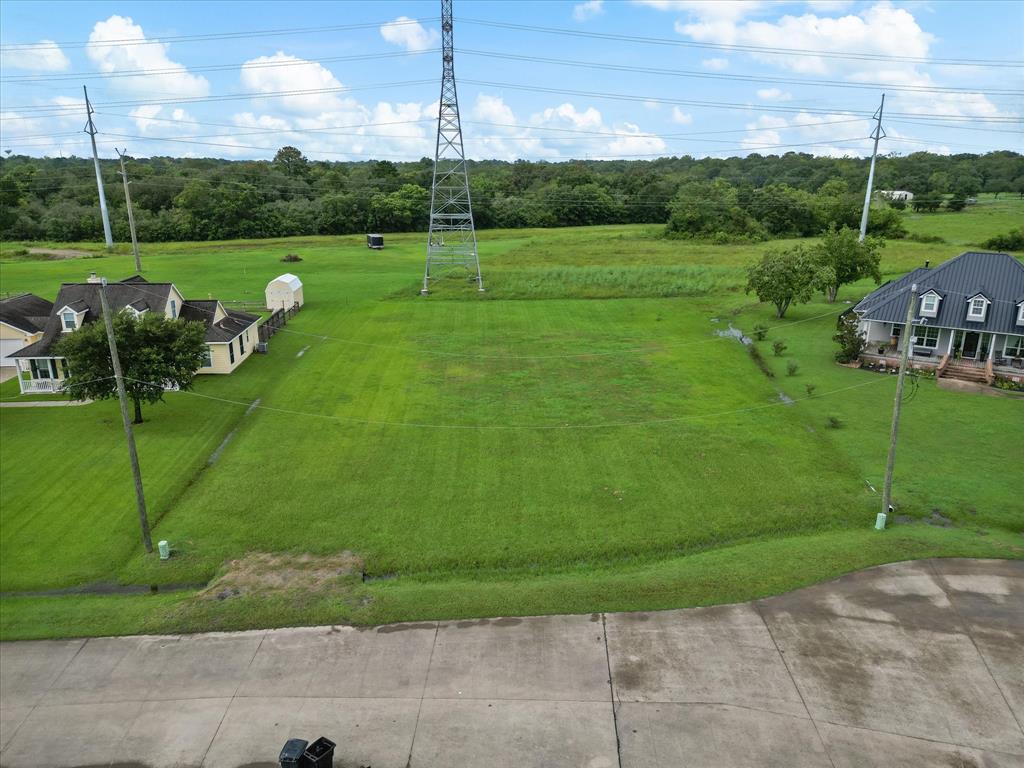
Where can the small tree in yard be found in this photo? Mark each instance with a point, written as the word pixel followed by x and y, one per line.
pixel 787 277
pixel 849 259
pixel 778 347
pixel 850 342
pixel 151 349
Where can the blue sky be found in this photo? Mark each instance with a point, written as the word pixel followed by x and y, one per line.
pixel 695 79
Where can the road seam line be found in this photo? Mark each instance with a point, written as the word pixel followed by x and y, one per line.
pixel 967 631
pixel 423 693
pixel 782 657
pixel 231 700
pixel 611 689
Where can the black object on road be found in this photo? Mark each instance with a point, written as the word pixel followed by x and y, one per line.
pixel 292 753
pixel 320 754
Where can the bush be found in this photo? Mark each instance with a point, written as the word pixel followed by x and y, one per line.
pixel 918 238
pixel 778 347
pixel 810 389
pixel 850 342
pixel 833 422
pixel 292 257
pixel 756 356
pixel 1011 241
pixel 792 368
pixel 760 332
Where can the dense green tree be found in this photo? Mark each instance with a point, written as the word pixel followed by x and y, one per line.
pixel 845 259
pixel 154 352
pixel 785 277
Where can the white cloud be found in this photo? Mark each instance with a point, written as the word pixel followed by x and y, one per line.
pixel 773 94
pixel 829 5
pixel 654 106
pixel 588 10
pixel 725 10
pixel 681 118
pixel 715 64
pixel 44 56
pixel 832 135
pixel 144 115
pixel 408 34
pixel 173 78
pixel 261 76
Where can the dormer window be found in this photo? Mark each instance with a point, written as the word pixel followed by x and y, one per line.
pixel 976 308
pixel 930 304
pixel 68 318
pixel 1020 313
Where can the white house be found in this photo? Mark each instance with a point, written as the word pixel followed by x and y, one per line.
pixel 284 292
pixel 897 194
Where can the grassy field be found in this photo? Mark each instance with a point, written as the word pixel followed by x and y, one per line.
pixel 528 450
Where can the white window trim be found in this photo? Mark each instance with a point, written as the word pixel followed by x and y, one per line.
pixel 930 297
pixel 1006 346
pixel 64 321
pixel 971 314
pixel 1020 313
pixel 920 339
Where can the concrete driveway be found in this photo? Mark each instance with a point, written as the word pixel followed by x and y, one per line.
pixel 912 664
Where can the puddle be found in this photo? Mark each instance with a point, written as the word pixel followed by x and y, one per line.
pixel 735 333
pixel 715 320
pixel 302 351
pixel 107 588
pixel 786 398
pixel 227 439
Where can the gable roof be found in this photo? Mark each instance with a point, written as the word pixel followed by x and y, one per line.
pixel 997 276
pixel 224 330
pixel 85 297
pixel 289 279
pixel 26 312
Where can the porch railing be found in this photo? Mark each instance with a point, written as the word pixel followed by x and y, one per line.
pixel 36 386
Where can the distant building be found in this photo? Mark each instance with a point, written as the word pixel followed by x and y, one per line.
pixel 284 292
pixel 230 335
pixel 968 322
pixel 22 319
pixel 897 194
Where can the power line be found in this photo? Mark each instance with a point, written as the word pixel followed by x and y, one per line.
pixel 744 48
pixel 129 41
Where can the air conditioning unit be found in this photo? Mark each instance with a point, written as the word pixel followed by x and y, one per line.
pixel 261 347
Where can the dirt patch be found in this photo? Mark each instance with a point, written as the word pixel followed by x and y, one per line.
pixel 56 254
pixel 263 573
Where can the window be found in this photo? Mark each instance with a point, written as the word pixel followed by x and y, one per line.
pixel 976 309
pixel 929 304
pixel 1020 313
pixel 69 321
pixel 207 358
pixel 897 330
pixel 1014 346
pixel 174 309
pixel 926 337
pixel 241 346
pixel 231 351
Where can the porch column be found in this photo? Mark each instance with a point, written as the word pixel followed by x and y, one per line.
pixel 991 346
pixel 949 347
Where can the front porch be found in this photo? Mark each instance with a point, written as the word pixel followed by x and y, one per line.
pixel 947 366
pixel 40 375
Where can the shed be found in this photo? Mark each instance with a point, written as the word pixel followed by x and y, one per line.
pixel 375 241
pixel 284 292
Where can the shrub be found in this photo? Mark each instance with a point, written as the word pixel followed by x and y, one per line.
pixel 850 342
pixel 758 358
pixel 918 238
pixel 760 332
pixel 292 257
pixel 778 347
pixel 833 422
pixel 1011 241
pixel 810 389
pixel 792 368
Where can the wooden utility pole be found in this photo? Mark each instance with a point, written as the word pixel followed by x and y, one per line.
pixel 133 455
pixel 90 128
pixel 876 134
pixel 131 214
pixel 890 463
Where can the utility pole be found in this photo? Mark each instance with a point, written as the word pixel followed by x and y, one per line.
pixel 90 128
pixel 133 455
pixel 890 463
pixel 877 134
pixel 131 214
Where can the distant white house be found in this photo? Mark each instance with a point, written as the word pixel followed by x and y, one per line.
pixel 284 292
pixel 897 194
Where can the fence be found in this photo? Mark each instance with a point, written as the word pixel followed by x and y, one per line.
pixel 278 319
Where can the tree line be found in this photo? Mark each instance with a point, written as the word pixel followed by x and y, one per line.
pixel 739 198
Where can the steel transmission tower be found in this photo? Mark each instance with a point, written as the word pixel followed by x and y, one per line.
pixel 452 239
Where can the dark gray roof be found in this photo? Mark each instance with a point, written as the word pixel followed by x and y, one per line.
pixel 25 312
pixel 998 276
pixel 86 297
pixel 203 311
pixel 140 306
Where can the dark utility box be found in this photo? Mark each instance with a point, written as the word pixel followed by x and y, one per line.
pixel 292 753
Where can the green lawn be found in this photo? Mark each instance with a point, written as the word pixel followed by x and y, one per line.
pixel 528 450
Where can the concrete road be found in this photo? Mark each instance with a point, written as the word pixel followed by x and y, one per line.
pixel 913 664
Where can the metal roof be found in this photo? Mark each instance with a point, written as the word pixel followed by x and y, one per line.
pixel 999 277
pixel 289 279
